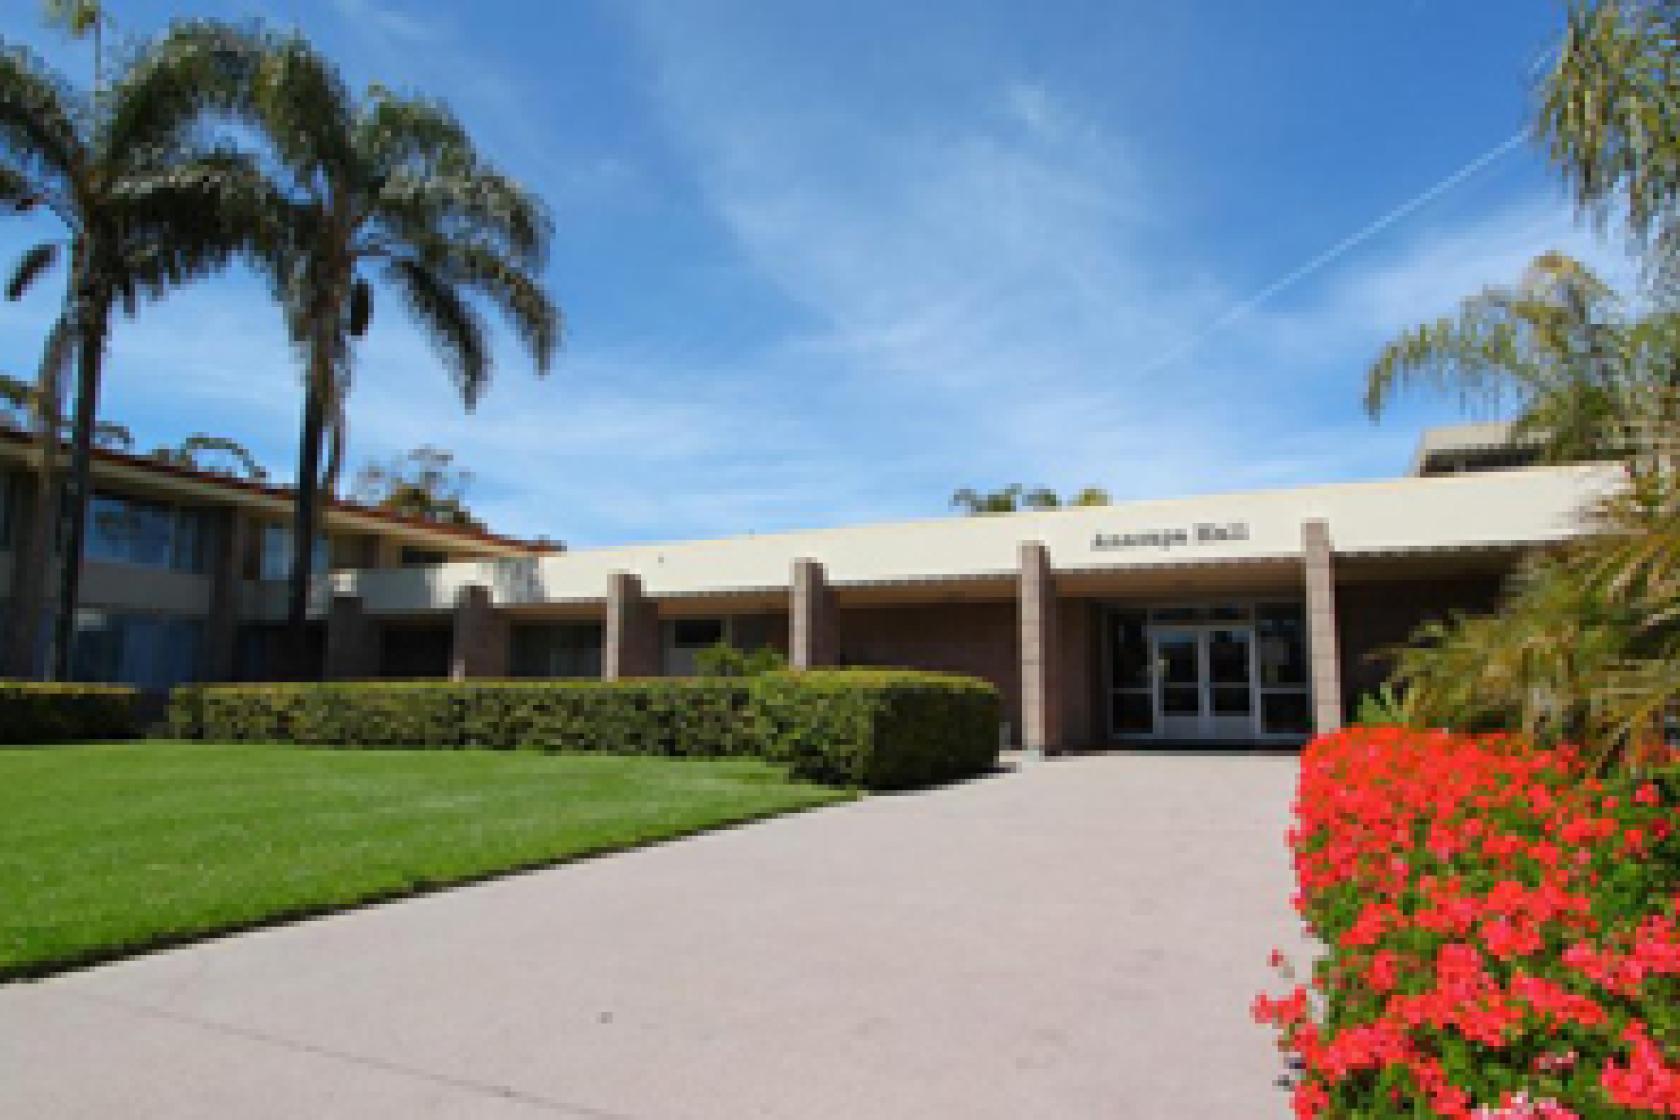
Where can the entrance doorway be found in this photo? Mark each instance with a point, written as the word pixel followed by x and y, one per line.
pixel 1205 681
pixel 1215 673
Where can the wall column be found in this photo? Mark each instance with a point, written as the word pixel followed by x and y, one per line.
pixel 631 648
pixel 814 630
pixel 350 652
pixel 1323 646
pixel 1041 709
pixel 479 647
pixel 221 626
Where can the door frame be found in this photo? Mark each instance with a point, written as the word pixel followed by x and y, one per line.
pixel 1252 609
pixel 1209 726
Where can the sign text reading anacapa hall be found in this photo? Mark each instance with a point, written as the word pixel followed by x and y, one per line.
pixel 1203 532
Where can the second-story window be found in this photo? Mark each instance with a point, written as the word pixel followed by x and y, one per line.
pixel 413 557
pixel 125 530
pixel 277 553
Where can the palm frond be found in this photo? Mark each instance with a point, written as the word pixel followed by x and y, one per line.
pixel 36 260
pixel 450 322
pixel 1469 354
pixel 511 290
pixel 15 191
pixel 57 353
pixel 42 121
pixel 470 204
pixel 395 131
pixel 306 112
pixel 199 444
pixel 156 102
pixel 1610 113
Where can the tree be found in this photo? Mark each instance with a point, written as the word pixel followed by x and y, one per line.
pixel 1091 496
pixel 1558 346
pixel 388 186
pixel 141 207
pixel 1609 118
pixel 424 483
pixel 213 455
pixel 1585 645
pixel 20 410
pixel 81 19
pixel 1016 497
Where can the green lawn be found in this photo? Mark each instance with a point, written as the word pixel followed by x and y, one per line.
pixel 105 850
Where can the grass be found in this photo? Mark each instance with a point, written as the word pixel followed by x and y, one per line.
pixel 111 849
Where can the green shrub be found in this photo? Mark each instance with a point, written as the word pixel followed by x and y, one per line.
pixel 725 660
pixel 32 712
pixel 878 729
pixel 634 717
pixel 1385 707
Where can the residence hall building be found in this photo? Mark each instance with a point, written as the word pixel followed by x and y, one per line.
pixel 1246 618
pixel 1234 618
pixel 184 571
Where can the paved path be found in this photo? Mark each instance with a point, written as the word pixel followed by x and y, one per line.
pixel 1077 939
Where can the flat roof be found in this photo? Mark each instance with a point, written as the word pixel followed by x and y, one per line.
pixel 1481 440
pixel 1513 508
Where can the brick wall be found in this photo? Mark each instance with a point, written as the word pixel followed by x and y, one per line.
pixel 974 638
pixel 1375 615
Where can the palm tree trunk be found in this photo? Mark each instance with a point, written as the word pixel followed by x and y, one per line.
pixel 307 514
pixel 93 310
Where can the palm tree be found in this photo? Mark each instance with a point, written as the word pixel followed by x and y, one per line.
pixel 140 208
pixel 236 459
pixel 390 187
pixel 1557 346
pixel 1609 117
pixel 1015 497
pixel 1091 496
pixel 1586 645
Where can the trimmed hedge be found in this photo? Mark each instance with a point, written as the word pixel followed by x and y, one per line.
pixel 880 729
pixel 33 712
pixel 876 729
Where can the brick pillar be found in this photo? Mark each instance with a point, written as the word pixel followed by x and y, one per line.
pixel 1323 647
pixel 814 622
pixel 350 652
pixel 479 647
pixel 1041 711
pixel 631 647
pixel 221 625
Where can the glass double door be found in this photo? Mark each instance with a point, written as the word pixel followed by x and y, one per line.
pixel 1204 681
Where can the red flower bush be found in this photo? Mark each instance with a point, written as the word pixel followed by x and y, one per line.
pixel 1501 933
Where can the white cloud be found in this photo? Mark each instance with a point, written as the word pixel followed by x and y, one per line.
pixel 982 295
pixel 396 23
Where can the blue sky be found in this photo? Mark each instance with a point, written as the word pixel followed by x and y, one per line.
pixel 825 263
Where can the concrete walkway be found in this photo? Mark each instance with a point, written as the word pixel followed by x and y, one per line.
pixel 1080 938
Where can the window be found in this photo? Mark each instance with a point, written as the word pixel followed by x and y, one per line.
pixel 1285 708
pixel 1283 647
pixel 557 650
pixel 277 553
pixel 685 637
pixel 124 530
pixel 422 557
pixel 149 651
pixel 696 633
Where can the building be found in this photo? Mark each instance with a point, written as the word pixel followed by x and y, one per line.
pixel 1235 618
pixel 184 568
